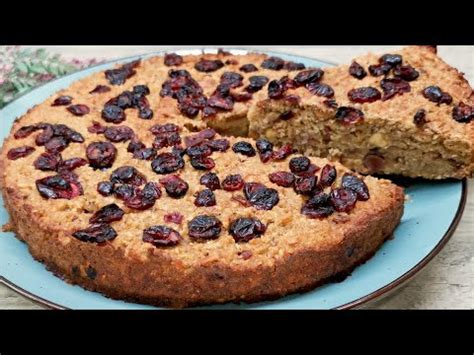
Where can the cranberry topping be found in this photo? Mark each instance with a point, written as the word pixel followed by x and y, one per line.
pixel 200 137
pixel 211 181
pixel 391 59
pixel 218 145
pixel 305 185
pixel 352 182
pixel 318 206
pixel 282 178
pixel 343 200
pixel 61 130
pixel 463 113
pixel 394 86
pixel 64 185
pixel 245 229
pixel 96 128
pixel 256 83
pixel 119 75
pixel 435 94
pixel 173 59
pixel 202 150
pixel 299 164
pixel 406 72
pixel 118 133
pixel 107 214
pixel 96 233
pixel 292 66
pixel 232 182
pixel 273 63
pixel 208 65
pixel 241 96
pixel 72 163
pixel 205 198
pixel 261 197
pixel 63 100
pixel 318 89
pixel 364 94
pixel 144 154
pixel 46 135
pixel 202 163
pixel 25 131
pixel 113 114
pixel 56 144
pixel 166 163
pixel 420 117
pixel 127 175
pixel 100 89
pixel 20 152
pixel 78 110
pixel 331 103
pixel 248 68
pixel 357 71
pixel 145 198
pixel 125 192
pixel 231 79
pixel 283 152
pixel 173 217
pixel 105 188
pixel 308 76
pixel 244 148
pixel 204 227
pixel 47 161
pixel 175 186
pixel 379 69
pixel 101 155
pixel 349 115
pixel 161 236
pixel 328 175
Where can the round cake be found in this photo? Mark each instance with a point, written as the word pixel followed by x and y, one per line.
pixel 129 183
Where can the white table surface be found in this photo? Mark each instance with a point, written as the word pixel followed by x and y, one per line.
pixel 447 281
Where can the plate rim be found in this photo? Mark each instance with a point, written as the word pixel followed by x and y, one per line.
pixel 407 276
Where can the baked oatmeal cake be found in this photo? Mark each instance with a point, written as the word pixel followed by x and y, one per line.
pixel 121 184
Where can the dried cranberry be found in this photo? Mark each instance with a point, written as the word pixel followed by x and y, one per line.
pixel 231 79
pixel 264 145
pixel 99 89
pixel 364 94
pixel 202 150
pixel 61 130
pixel 435 94
pixel 218 145
pixel 349 115
pixel 189 106
pixel 78 110
pixel 357 71
pixel 318 89
pixel 292 99
pixel 245 229
pixel 406 72
pixel 119 75
pixel 463 113
pixel 173 217
pixel 107 214
pixel 261 197
pixel 299 164
pixel 101 155
pixel 205 198
pixel 343 200
pixel 211 181
pixel 305 185
pixel 286 115
pixel 241 96
pixel 56 144
pixel 202 163
pixel 135 145
pixel 166 163
pixel 282 178
pixel 394 86
pixel 291 66
pixel 200 137
pixel 166 140
pixel 331 103
pixel 145 154
pixel 175 186
pixel 328 175
pixel 141 90
pixel 127 175
pixel 247 68
pixel 391 59
pixel 113 114
pixel 273 63
pixel 166 128
pixel 25 131
pixel 244 148
pixel 311 171
pixel 145 113
pixel 161 236
pixel 20 152
pixel 124 100
pixel 318 206
pixel 256 83
pixel 96 128
pixel 283 152
pixel 232 182
pixel 72 163
pixel 420 117
pixel 144 199
pixel 308 76
pixel 64 185
pixel 46 135
pixel 125 192
pixel 379 69
pixel 105 188
pixel 96 233
pixel 63 100
pixel 208 65
pixel 208 111
pixel 204 227
pixel 173 59
pixel 119 133
pixel 352 182
pixel 221 103
pixel 47 161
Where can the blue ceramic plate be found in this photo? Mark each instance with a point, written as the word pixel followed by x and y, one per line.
pixel 431 215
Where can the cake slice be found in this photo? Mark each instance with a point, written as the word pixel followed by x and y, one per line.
pixel 405 113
